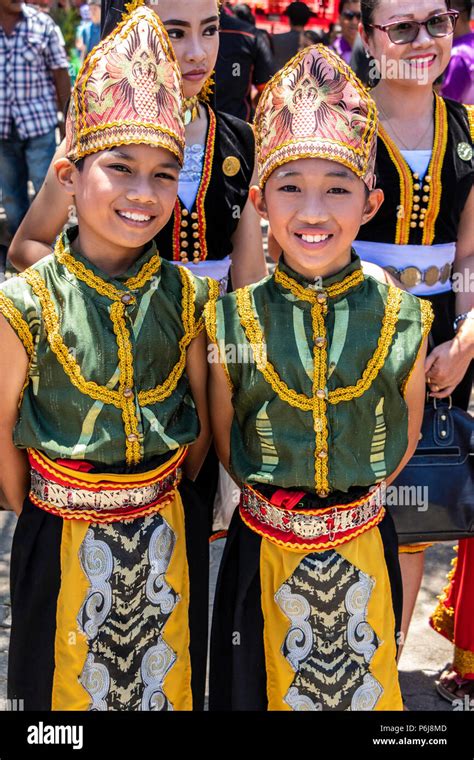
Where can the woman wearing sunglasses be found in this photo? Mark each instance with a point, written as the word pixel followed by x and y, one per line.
pixel 424 235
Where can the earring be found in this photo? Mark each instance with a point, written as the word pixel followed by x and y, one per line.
pixel 207 89
pixel 367 54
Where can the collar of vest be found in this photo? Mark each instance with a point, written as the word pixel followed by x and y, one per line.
pixel 333 287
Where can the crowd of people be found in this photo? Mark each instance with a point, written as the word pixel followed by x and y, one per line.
pixel 163 384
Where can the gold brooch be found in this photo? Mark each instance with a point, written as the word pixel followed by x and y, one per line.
pixel 231 166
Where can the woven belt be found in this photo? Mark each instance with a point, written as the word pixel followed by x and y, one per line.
pixel 311 529
pixel 102 497
pixel 412 276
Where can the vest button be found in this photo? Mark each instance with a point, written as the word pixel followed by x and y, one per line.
pixel 126 298
pixel 128 393
pixel 322 454
pixel 132 437
pixel 321 393
pixel 320 342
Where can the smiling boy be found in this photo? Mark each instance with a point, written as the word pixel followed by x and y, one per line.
pixel 321 420
pixel 102 387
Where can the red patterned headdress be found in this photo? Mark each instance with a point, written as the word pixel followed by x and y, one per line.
pixel 316 107
pixel 128 91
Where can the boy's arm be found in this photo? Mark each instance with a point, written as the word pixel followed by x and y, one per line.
pixel 14 468
pixel 221 411
pixel 196 370
pixel 415 400
pixel 44 220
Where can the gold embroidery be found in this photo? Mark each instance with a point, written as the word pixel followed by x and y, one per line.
pixel 125 359
pixel 77 268
pixel 402 233
pixel 16 321
pixel 191 331
pixel 377 361
pixel 426 218
pixel 120 399
pixel 427 317
pixel 254 335
pixel 319 395
pixel 310 295
pixel 435 168
pixel 470 118
pixel 67 361
pixel 210 321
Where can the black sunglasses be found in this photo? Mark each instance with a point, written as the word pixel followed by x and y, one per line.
pixel 351 15
pixel 403 32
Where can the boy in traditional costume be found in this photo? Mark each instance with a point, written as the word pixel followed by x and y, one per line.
pixel 317 422
pixel 102 376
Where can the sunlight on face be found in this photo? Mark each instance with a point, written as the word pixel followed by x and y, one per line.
pixel 193 28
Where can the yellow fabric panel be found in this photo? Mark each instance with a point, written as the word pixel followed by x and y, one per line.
pixel 364 552
pixel 177 683
pixel 367 554
pixel 70 646
pixel 276 565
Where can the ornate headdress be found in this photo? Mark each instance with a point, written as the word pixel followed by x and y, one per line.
pixel 316 107
pixel 128 91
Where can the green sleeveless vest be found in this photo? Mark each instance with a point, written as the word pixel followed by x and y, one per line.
pixel 318 374
pixel 106 379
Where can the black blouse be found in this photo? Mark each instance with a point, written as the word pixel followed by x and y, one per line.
pixel 425 211
pixel 205 232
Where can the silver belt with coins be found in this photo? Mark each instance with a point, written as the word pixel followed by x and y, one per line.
pixel 412 276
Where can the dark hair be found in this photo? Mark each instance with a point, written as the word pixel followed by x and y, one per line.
pixel 243 12
pixel 79 164
pixel 342 3
pixel 368 7
pixel 298 13
pixel 464 6
pixel 317 36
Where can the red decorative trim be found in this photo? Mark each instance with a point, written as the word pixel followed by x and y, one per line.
pixel 176 231
pixel 205 182
pixel 259 522
pixel 217 535
pixel 46 468
pixel 199 204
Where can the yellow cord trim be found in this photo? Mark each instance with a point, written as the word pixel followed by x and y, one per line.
pixel 16 321
pixel 125 359
pixel 307 294
pixel 375 364
pixel 191 331
pixel 435 168
pixel 470 118
pixel 427 317
pixel 320 407
pixel 210 321
pixel 255 336
pixel 67 361
pixel 402 232
pixel 148 270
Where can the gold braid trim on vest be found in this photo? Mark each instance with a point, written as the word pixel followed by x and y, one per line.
pixel 254 335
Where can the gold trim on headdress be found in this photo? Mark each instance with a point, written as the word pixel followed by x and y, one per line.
pixel 316 107
pixel 128 91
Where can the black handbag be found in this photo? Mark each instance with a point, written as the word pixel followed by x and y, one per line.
pixel 433 497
